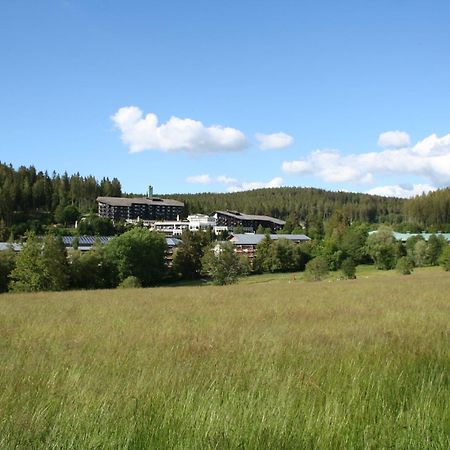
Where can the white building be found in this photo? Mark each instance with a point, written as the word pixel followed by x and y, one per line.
pixel 201 222
pixel 171 227
pixel 194 222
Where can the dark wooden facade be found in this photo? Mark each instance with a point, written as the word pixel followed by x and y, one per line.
pixel 118 208
pixel 248 222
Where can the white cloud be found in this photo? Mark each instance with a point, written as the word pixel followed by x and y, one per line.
pixel 227 180
pixel 429 158
pixel 233 184
pixel 394 139
pixel 274 141
pixel 402 191
pixel 199 179
pixel 250 185
pixel 141 133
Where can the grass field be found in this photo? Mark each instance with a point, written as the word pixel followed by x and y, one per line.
pixel 270 363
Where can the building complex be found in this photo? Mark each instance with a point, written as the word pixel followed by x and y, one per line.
pixel 164 214
pixel 248 222
pixel 134 209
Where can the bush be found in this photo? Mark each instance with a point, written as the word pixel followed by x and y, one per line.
pixel 316 269
pixel 7 263
pixel 348 269
pixel 405 265
pixel 382 248
pixel 91 270
pixel 223 265
pixel 130 282
pixel 444 260
pixel 40 266
pixel 139 253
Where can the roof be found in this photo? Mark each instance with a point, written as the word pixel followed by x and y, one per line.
pixel 426 236
pixel 173 242
pixel 85 240
pixel 405 236
pixel 122 201
pixel 254 239
pixel 243 216
pixel 10 246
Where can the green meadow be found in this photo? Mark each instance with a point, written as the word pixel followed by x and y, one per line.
pixel 271 363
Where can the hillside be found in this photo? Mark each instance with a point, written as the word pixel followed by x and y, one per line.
pixel 299 204
pixel 30 199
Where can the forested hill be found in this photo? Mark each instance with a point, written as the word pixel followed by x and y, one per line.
pixel 27 194
pixel 431 210
pixel 30 198
pixel 299 204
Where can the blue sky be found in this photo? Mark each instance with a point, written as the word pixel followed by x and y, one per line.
pixel 346 95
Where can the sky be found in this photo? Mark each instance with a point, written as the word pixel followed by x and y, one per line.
pixel 228 95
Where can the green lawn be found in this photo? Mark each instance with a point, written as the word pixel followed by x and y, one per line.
pixel 272 362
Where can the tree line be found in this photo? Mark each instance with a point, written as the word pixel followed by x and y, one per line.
pixel 299 205
pixel 139 257
pixel 430 211
pixel 311 208
pixel 31 199
pixel 35 200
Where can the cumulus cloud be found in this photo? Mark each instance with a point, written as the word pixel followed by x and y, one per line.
pixel 394 139
pixel 141 133
pixel 199 179
pixel 227 180
pixel 238 186
pixel 401 190
pixel 429 158
pixel 235 185
pixel 274 141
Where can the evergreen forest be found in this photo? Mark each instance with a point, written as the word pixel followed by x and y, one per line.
pixel 34 200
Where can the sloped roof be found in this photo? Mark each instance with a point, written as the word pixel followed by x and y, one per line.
pixel 85 240
pixel 122 201
pixel 405 236
pixel 255 239
pixel 10 246
pixel 173 242
pixel 243 216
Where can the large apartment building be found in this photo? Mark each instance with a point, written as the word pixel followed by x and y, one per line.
pixel 139 208
pixel 249 222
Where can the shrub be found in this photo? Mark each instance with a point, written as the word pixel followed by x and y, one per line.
pixel 348 269
pixel 7 263
pixel 420 253
pixel 405 265
pixel 316 269
pixel 40 266
pixel 381 247
pixel 435 246
pixel 222 264
pixel 91 270
pixel 130 282
pixel 139 253
pixel 444 260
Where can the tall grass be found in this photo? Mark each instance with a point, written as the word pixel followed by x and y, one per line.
pixel 282 364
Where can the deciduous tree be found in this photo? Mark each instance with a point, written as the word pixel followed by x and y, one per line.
pixel 222 264
pixel 139 253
